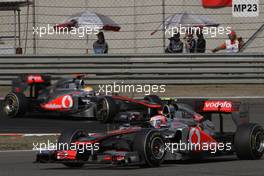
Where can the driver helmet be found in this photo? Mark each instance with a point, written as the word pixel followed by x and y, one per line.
pixel 88 88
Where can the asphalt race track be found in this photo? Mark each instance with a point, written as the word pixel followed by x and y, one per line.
pixel 21 163
pixel 42 124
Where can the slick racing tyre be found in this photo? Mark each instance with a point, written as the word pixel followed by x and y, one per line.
pixel 106 110
pixel 67 138
pixel 14 105
pixel 249 141
pixel 153 99
pixel 150 146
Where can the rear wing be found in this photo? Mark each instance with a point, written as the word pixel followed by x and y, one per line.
pixel 206 107
pixel 217 106
pixel 39 81
pixel 209 105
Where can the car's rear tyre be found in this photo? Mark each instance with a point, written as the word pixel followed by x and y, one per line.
pixel 106 110
pixel 249 141
pixel 14 105
pixel 150 146
pixel 153 99
pixel 68 137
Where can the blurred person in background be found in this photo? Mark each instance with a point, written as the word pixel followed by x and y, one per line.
pixel 190 43
pixel 241 42
pixel 200 42
pixel 175 45
pixel 232 44
pixel 100 46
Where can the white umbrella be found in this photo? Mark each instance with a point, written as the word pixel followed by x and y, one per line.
pixel 185 20
pixel 89 19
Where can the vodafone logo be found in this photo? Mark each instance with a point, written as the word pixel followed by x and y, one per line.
pixel 60 103
pixel 222 106
pixel 35 78
pixel 195 136
pixel 67 102
pixel 217 104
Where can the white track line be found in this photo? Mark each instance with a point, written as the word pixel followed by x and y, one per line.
pixel 28 135
pixel 45 134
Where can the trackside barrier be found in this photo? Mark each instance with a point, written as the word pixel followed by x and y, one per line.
pixel 141 69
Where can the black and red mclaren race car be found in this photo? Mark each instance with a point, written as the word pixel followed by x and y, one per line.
pixel 178 133
pixel 71 97
pixel 68 97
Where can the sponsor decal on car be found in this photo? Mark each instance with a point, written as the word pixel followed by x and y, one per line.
pixel 217 105
pixel 60 103
pixel 67 102
pixel 195 136
pixel 34 79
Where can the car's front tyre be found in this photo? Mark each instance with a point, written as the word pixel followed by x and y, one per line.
pixel 68 138
pixel 150 146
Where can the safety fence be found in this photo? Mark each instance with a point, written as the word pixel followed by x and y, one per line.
pixel 137 19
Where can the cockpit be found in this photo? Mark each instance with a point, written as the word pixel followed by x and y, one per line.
pixel 71 83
